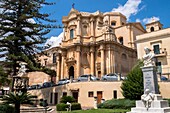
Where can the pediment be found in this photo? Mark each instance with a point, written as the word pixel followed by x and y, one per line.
pixel 73 13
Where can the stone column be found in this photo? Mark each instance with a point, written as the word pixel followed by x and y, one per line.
pixel 92 61
pixel 102 60
pixel 78 29
pixel 62 64
pixel 92 29
pixel 78 60
pixel 58 69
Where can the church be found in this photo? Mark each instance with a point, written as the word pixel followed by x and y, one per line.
pixel 94 43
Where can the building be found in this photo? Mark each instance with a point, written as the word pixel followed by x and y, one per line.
pixel 101 43
pixel 94 43
pixel 157 39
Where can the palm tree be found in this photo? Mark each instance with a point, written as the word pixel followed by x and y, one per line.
pixel 17 99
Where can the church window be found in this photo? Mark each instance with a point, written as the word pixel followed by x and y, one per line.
pixel 45 62
pixel 152 29
pixel 113 23
pixel 121 40
pixel 71 33
pixel 90 94
pixel 156 49
pixel 54 57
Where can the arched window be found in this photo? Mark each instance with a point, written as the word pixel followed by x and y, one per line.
pixel 113 23
pixel 71 33
pixel 54 57
pixel 121 40
pixel 152 29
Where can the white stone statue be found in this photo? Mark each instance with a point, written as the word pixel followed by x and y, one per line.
pixel 22 69
pixel 148 58
pixel 147 98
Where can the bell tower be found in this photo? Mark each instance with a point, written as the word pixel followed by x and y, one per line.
pixel 153 26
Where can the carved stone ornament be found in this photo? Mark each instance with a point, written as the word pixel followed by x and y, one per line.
pixel 22 69
pixel 147 98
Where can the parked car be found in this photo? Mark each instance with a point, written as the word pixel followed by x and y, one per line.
pixel 85 78
pixel 63 81
pixel 111 77
pixel 47 84
pixel 163 78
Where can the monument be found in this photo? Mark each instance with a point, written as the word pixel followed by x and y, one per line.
pixel 151 101
pixel 20 81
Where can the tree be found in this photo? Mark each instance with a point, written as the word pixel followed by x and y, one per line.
pixel 17 99
pixel 3 78
pixel 22 32
pixel 132 87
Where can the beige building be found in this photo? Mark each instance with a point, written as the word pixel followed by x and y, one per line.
pixel 94 43
pixel 101 43
pixel 158 40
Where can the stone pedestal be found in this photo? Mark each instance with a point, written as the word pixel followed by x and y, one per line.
pixel 157 106
pixel 20 84
pixel 150 80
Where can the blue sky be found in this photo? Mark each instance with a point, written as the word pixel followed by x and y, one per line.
pixel 135 10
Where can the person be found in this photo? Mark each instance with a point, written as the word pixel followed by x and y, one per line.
pixel 148 58
pixel 147 98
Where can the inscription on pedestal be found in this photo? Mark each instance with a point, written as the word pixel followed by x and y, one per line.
pixel 150 79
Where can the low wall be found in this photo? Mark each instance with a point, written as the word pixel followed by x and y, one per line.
pixel 107 89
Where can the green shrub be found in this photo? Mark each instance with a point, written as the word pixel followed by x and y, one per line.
pixel 66 99
pixel 168 100
pixel 117 104
pixel 75 106
pixel 132 87
pixel 61 107
pixel 5 108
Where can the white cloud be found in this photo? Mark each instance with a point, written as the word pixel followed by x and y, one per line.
pixel 149 20
pixel 54 41
pixel 131 7
pixel 138 20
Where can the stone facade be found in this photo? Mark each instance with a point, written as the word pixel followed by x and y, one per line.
pixel 94 43
pixel 157 39
pixel 87 91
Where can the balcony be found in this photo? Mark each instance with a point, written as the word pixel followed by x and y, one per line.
pixel 161 53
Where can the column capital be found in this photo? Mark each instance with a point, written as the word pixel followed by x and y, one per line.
pixel 92 49
pixel 78 48
pixel 78 18
pixel 92 19
pixel 102 47
pixel 63 54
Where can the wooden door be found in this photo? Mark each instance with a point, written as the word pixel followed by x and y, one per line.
pixel 55 98
pixel 75 95
pixel 99 97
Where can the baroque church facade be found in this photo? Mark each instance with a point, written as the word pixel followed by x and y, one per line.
pixel 94 43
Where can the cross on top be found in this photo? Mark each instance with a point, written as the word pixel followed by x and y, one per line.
pixel 73 5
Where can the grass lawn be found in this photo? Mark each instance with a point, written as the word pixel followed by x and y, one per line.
pixel 96 111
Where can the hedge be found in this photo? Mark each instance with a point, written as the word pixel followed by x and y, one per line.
pixel 117 104
pixel 5 108
pixel 62 106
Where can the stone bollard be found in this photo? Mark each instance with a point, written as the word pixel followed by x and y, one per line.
pixel 95 102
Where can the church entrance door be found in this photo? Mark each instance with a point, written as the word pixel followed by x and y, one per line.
pixel 71 72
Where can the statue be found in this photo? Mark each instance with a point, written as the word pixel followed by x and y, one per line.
pixel 148 57
pixel 147 98
pixel 22 69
